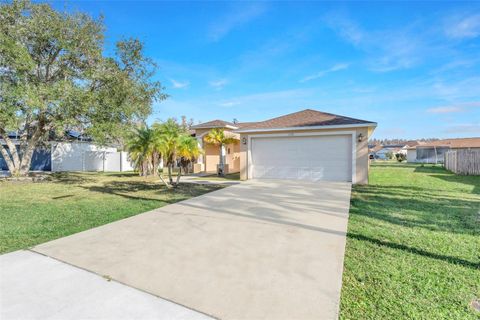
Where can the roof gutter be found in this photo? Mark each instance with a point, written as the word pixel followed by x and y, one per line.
pixel 340 126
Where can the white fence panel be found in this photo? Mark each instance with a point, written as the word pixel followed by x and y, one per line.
pixel 112 161
pixel 84 156
pixel 93 161
pixel 125 162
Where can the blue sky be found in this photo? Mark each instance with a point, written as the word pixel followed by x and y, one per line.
pixel 412 67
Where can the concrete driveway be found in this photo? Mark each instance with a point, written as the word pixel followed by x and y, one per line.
pixel 257 250
pixel 33 286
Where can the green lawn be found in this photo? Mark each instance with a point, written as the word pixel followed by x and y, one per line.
pixel 413 246
pixel 32 213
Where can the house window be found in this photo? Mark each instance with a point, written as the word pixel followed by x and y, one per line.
pixel 228 150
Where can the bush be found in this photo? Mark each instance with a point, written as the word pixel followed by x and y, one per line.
pixel 400 157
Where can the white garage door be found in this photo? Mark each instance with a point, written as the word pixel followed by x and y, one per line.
pixel 312 158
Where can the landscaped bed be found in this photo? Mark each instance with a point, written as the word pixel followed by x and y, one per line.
pixel 36 212
pixel 413 246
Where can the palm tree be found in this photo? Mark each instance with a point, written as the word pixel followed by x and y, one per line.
pixel 143 150
pixel 188 151
pixel 168 133
pixel 218 137
pixel 167 141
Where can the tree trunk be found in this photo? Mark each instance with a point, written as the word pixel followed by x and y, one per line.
pixel 170 165
pixel 221 165
pixel 155 162
pixel 11 166
pixel 13 149
pixel 27 157
pixel 179 175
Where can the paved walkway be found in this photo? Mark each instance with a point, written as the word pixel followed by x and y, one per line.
pixel 33 286
pixel 257 250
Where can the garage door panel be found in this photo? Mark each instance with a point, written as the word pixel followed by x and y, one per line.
pixel 305 158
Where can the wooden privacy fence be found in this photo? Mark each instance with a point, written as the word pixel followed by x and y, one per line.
pixel 463 162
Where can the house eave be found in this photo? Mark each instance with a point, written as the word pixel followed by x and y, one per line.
pixel 213 127
pixel 342 126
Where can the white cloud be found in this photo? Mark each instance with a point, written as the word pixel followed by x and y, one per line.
pixel 453 89
pixel 346 28
pixel 337 67
pixel 229 104
pixel 386 50
pixel 445 109
pixel 218 84
pixel 239 15
pixel 179 84
pixel 459 107
pixel 463 27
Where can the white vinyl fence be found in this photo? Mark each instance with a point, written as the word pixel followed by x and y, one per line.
pixel 465 162
pixel 81 156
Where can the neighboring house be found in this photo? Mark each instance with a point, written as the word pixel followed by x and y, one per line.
pixel 434 151
pixel 381 151
pixel 305 145
pixel 373 149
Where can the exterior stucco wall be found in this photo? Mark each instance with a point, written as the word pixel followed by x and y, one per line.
pixel 411 155
pixel 212 154
pixel 233 158
pixel 362 162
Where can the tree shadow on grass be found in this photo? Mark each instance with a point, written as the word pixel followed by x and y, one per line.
pixel 431 169
pixel 157 192
pixel 394 165
pixel 121 174
pixel 71 178
pixel 468 180
pixel 429 210
pixel 449 259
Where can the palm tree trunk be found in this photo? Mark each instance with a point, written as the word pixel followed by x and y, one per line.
pixel 221 164
pixel 179 175
pixel 170 165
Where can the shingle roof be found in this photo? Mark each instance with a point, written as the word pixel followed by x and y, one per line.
pixel 305 118
pixel 452 143
pixel 215 124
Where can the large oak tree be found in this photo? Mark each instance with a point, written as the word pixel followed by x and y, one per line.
pixel 54 77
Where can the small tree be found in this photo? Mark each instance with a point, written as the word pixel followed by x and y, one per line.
pixel 143 146
pixel 165 140
pixel 400 157
pixel 168 133
pixel 389 155
pixel 55 77
pixel 219 138
pixel 187 151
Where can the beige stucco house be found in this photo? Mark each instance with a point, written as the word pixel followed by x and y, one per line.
pixel 305 145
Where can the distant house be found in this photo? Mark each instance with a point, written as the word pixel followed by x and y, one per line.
pixel 381 152
pixel 434 151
